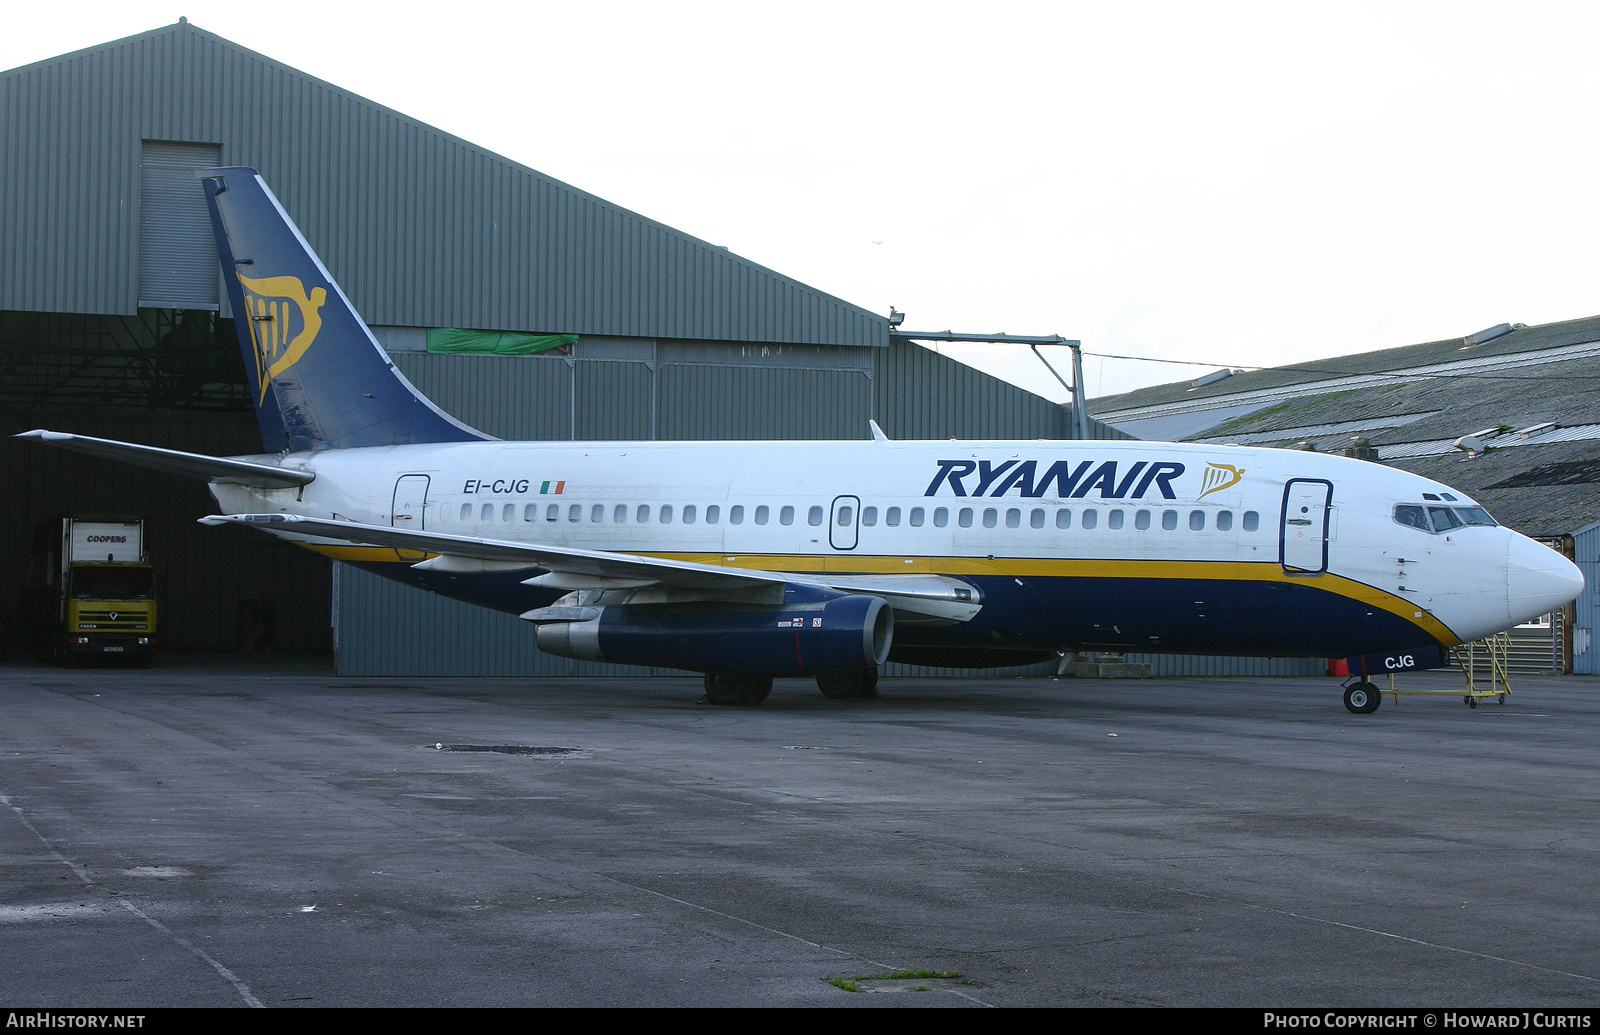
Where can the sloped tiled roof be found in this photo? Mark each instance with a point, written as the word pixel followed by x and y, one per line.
pixel 1529 377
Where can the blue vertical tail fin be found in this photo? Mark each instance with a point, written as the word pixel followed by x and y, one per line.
pixel 318 378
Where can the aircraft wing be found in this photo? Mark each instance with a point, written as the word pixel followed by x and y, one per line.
pixel 175 461
pixel 924 598
pixel 566 560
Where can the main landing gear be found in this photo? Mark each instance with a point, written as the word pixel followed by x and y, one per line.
pixel 843 686
pixel 737 688
pixel 1362 698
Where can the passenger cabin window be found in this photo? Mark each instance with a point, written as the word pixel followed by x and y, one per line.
pixel 488 512
pixel 990 517
pixel 736 515
pixel 1141 519
pixel 1252 521
pixel 575 512
pixel 845 514
pixel 713 514
pixel 964 519
pixel 1114 519
pixel 916 517
pixel 1169 519
pixel 553 512
pixel 941 517
pixel 598 513
pixel 869 516
pixel 786 516
pixel 1224 520
pixel 1063 518
pixel 664 515
pixel 688 514
pixel 1036 518
pixel 891 517
pixel 642 515
pixel 814 516
pixel 620 515
pixel 466 512
pixel 761 515
pixel 1091 518
pixel 1197 520
pixel 508 512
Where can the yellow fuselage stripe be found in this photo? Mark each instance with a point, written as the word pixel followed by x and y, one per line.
pixel 1033 567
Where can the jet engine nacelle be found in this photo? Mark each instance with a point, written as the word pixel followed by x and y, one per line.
pixel 840 633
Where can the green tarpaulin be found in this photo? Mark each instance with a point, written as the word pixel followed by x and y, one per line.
pixel 504 343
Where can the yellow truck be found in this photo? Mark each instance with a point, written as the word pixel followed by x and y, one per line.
pixel 91 592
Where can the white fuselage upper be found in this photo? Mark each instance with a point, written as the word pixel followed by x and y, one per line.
pixel 991 507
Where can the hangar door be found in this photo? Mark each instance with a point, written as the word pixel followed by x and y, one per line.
pixel 177 252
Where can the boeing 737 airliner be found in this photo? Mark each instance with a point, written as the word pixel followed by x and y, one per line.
pixel 749 560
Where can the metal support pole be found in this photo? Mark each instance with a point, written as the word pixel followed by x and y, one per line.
pixel 1080 416
pixel 1080 410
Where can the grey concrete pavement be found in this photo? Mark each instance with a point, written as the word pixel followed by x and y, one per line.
pixel 219 834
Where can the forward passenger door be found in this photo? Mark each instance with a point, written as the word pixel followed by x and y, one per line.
pixel 1303 526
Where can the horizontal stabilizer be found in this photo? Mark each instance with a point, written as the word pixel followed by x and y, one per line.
pixel 174 461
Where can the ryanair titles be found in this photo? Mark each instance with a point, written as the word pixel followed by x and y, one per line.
pixel 1065 479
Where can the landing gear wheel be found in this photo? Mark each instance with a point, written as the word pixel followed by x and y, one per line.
pixel 1362 698
pixel 736 688
pixel 844 686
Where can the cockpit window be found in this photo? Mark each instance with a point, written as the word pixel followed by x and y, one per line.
pixel 1441 519
pixel 1444 519
pixel 1412 517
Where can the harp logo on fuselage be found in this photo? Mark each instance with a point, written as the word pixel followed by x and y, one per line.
pixel 1217 477
pixel 284 321
pixel 1064 479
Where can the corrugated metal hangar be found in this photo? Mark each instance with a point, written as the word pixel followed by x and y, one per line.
pixel 112 323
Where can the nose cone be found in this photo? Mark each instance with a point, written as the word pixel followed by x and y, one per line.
pixel 1538 579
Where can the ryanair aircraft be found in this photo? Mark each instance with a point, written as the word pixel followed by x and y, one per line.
pixel 750 560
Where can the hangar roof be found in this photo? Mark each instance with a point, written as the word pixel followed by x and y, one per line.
pixel 421 228
pixel 1533 390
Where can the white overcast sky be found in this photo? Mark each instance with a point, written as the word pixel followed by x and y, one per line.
pixel 1226 183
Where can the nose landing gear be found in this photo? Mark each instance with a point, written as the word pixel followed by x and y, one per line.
pixel 1362 698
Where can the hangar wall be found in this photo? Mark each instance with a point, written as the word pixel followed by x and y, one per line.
pixel 421 228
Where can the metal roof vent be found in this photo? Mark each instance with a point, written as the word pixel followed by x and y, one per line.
pixel 1478 442
pixel 1211 378
pixel 1491 333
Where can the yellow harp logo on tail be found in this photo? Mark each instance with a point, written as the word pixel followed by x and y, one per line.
pixel 284 321
pixel 1218 477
